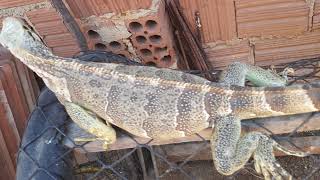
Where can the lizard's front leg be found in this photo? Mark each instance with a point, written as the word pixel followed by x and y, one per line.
pixel 237 73
pixel 91 123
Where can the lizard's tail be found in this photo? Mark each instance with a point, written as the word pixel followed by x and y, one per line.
pixel 275 101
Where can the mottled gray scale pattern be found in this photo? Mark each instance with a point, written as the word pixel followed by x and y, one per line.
pixel 129 103
pixel 283 102
pixel 249 104
pixel 165 74
pixel 84 73
pixel 313 92
pixel 126 69
pixel 94 83
pixel 161 109
pixel 123 79
pixel 233 75
pixel 241 102
pixel 214 102
pixel 168 75
pixel 88 93
pixel 224 136
pixel 192 116
pixel 106 77
pixel 188 78
pixel 140 84
pixel 77 93
pixel 153 103
pixel 113 105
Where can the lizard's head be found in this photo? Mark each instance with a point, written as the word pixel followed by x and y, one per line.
pixel 16 33
pixel 23 43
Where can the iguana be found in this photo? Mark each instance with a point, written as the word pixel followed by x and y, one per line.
pixel 164 104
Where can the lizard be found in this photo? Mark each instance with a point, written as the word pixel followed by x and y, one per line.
pixel 165 104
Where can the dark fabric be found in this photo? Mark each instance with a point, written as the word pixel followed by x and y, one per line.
pixel 46 149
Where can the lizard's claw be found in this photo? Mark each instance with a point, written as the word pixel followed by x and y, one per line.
pixel 287 71
pixel 266 164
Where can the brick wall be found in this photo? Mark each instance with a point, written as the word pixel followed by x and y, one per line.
pixel 253 31
pixel 261 32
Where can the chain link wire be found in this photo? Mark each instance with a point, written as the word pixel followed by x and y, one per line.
pixel 142 161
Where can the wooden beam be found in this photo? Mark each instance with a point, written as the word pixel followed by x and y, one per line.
pixel 202 151
pixel 6 165
pixel 272 125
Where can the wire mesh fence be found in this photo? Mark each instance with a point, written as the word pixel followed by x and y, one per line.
pixel 42 154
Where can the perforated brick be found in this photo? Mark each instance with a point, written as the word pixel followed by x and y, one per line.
pixel 95 42
pixel 152 37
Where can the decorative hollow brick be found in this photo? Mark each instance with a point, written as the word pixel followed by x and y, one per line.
pixel 153 38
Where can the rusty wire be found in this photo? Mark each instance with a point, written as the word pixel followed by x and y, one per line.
pixel 144 150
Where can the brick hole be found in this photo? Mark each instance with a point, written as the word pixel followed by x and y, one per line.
pixel 145 32
pixel 135 26
pixel 115 45
pixel 155 58
pixel 166 59
pixel 141 39
pixel 93 34
pixel 151 24
pixel 146 52
pixel 155 39
pixel 150 46
pixel 100 46
pixel 150 63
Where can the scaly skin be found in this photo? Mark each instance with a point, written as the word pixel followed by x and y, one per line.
pixel 229 156
pixel 163 103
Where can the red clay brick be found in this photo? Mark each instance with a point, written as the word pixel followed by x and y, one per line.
pixel 156 30
pixel 86 8
pixel 43 15
pixel 50 28
pixel 66 51
pixel 217 18
pixel 14 3
pixel 282 50
pixel 316 16
pixel 223 55
pixel 49 24
pixel 57 40
pixel 271 17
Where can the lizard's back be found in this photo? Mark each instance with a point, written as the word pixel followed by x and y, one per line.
pixel 164 104
pixel 141 101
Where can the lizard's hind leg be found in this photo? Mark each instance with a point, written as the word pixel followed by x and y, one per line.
pixel 231 152
pixel 91 123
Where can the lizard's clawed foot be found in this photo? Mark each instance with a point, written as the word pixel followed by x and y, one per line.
pixel 265 162
pixel 107 137
pixel 269 167
pixel 91 123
